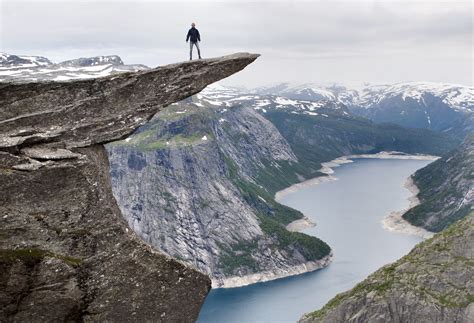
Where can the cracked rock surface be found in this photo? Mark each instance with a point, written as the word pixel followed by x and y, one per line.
pixel 66 252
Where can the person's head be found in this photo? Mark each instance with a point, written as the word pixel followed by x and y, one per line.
pixel 193 25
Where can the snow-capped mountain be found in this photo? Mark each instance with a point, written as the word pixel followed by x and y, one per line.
pixel 458 97
pixel 92 61
pixel 427 105
pixel 226 97
pixel 33 68
pixel 13 61
pixel 306 92
pixel 435 106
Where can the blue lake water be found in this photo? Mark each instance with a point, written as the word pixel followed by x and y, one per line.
pixel 348 213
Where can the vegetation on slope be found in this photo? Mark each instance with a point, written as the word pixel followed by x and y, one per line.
pixel 273 217
pixel 435 274
pixel 445 188
pixel 318 139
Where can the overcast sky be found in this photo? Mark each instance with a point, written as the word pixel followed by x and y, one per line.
pixel 384 41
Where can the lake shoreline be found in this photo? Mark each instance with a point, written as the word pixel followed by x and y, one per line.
pixel 327 168
pixel 396 223
pixel 348 214
pixel 277 273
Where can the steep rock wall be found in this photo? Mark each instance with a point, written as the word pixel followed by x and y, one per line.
pixel 181 180
pixel 66 253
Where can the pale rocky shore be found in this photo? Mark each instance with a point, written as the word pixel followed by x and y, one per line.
pixel 277 273
pixel 393 155
pixel 300 224
pixel 396 223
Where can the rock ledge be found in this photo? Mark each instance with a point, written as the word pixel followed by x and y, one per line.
pixel 66 253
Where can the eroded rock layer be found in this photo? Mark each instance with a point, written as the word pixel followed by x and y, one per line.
pixel 66 253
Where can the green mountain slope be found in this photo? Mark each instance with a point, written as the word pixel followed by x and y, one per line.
pixel 446 189
pixel 317 139
pixel 433 283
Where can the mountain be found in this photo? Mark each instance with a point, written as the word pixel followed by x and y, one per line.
pixel 93 61
pixel 32 68
pixel 66 252
pixel 438 107
pixel 198 181
pixel 433 283
pixel 435 106
pixel 186 184
pixel 446 189
pixel 225 153
pixel 8 61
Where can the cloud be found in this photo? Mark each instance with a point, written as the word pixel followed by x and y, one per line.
pixel 310 40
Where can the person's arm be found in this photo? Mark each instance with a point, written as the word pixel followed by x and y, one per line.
pixel 199 36
pixel 189 34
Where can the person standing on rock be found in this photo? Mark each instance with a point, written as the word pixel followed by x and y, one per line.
pixel 195 38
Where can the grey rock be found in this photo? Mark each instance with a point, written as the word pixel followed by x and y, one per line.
pixel 48 153
pixel 66 252
pixel 172 183
pixel 433 283
pixel 83 113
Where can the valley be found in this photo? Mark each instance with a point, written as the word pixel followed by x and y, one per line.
pixel 348 212
pixel 221 160
pixel 202 181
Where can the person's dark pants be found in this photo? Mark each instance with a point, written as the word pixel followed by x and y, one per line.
pixel 191 49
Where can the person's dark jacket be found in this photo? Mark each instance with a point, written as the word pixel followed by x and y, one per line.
pixel 193 33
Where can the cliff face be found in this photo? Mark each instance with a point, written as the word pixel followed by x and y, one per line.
pixel 433 283
pixel 446 189
pixel 186 184
pixel 66 252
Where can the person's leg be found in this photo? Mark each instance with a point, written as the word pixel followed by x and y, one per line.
pixel 199 50
pixel 190 50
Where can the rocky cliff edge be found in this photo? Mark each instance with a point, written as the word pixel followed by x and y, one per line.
pixel 66 253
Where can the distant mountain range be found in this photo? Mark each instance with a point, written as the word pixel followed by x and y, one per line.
pixel 457 97
pixel 435 106
pixel 32 68
pixel 440 107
